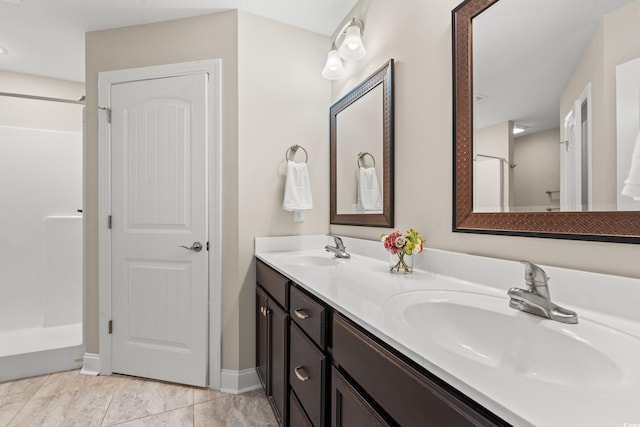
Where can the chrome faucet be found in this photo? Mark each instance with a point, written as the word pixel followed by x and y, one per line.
pixel 536 298
pixel 339 250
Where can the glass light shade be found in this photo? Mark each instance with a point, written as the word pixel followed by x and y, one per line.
pixel 352 48
pixel 333 69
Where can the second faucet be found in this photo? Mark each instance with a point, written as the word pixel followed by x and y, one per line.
pixel 339 250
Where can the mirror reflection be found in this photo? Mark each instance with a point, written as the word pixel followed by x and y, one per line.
pixel 361 128
pixel 556 111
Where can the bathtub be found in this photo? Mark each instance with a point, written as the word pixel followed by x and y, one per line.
pixel 38 351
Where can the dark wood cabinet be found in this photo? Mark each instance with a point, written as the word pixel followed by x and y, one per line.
pixel 278 358
pixel 308 367
pixel 408 394
pixel 272 339
pixel 262 338
pixel 320 369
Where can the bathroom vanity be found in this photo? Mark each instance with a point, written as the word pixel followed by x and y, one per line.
pixel 338 373
pixel 344 342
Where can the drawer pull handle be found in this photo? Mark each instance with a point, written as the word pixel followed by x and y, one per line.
pixel 299 375
pixel 301 313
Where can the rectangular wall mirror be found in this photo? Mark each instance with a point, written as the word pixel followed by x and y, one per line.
pixel 546 118
pixel 361 148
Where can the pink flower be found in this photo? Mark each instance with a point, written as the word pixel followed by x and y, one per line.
pixel 390 242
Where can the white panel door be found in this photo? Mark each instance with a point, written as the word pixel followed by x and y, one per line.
pixel 159 191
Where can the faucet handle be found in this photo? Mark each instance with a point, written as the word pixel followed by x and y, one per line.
pixel 534 275
pixel 338 242
pixel 536 279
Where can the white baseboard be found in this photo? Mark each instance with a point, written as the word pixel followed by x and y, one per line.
pixel 237 382
pixel 90 364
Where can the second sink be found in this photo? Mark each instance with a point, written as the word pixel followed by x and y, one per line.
pixel 481 328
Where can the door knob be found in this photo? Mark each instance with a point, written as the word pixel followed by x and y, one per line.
pixel 196 247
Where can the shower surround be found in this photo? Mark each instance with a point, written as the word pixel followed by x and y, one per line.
pixel 40 252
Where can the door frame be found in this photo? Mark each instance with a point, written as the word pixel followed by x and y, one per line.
pixel 106 79
pixel 570 199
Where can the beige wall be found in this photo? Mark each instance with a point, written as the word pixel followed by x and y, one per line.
pixel 615 41
pixel 273 97
pixel 495 140
pixel 418 35
pixel 36 114
pixel 282 100
pixel 537 160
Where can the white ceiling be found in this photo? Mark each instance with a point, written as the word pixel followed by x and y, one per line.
pixel 46 37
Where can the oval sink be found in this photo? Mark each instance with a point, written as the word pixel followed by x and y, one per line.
pixel 311 261
pixel 482 328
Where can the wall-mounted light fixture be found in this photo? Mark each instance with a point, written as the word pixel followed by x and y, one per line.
pixel 3 51
pixel 350 48
pixel 333 69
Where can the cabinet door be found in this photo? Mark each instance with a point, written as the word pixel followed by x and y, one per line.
pixel 262 339
pixel 278 359
pixel 348 407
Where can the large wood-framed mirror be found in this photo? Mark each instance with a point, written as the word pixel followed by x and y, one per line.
pixel 361 151
pixel 490 41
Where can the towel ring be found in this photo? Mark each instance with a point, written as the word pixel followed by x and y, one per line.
pixel 294 148
pixel 361 158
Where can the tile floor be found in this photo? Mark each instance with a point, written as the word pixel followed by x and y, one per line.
pixel 71 399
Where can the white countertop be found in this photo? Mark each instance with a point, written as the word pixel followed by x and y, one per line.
pixel 359 288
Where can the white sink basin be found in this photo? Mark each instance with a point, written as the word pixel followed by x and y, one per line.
pixel 311 261
pixel 481 328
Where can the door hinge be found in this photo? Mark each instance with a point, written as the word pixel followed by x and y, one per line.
pixel 109 221
pixel 110 326
pixel 207 245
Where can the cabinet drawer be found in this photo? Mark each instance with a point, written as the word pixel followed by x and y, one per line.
pixel 273 282
pixel 297 417
pixel 309 314
pixel 307 373
pixel 409 396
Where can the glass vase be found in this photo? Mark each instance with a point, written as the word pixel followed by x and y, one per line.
pixel 400 263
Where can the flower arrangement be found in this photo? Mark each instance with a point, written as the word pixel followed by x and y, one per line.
pixel 399 244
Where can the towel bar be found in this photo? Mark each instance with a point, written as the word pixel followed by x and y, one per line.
pixel 294 148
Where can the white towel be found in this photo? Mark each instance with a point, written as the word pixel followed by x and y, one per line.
pixel 369 197
pixel 297 190
pixel 631 186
